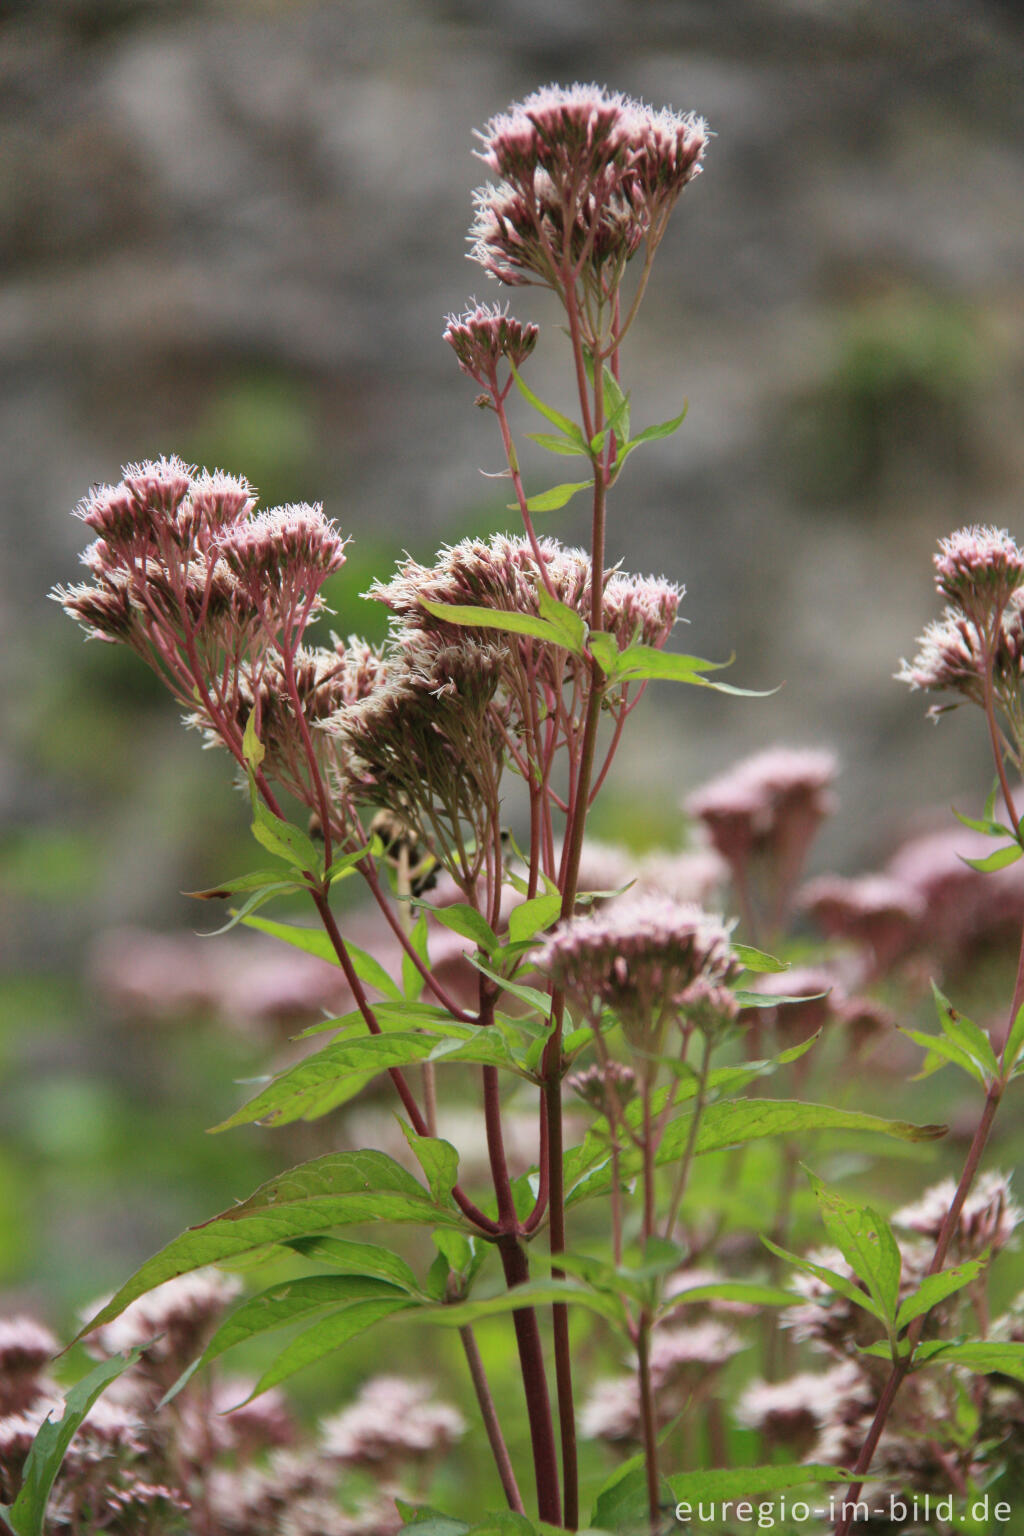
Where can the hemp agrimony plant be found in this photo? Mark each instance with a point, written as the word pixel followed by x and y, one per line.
pixel 517 658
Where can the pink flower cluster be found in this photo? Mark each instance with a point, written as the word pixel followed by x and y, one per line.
pixel 586 177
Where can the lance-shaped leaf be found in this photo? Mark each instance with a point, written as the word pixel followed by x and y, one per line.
pixel 530 1293
pixel 1001 859
pixel 570 624
pixel 351 1258
pixel 255 880
pixel 735 1122
pixel 533 916
pixel 980 1356
pixel 27 1515
pixel 565 424
pixel 463 919
pixel 753 959
pixel 439 1161
pixel 740 1482
pixel 289 1302
pixel 331 1191
pixel 965 1033
pixel 500 619
pixel 283 839
pixel 319 1083
pixel 556 497
pixel 865 1240
pixel 327 1336
pixel 935 1288
pixel 1015 1041
pixel 566 446
pixel 313 941
pixel 841 1284
pixel 749 1292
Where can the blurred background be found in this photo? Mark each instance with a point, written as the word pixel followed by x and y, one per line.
pixel 232 231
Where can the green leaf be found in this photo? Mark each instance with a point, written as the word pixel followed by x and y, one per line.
pixel 256 880
pixel 471 924
pixel 253 750
pixel 495 618
pixel 289 1301
pixel 982 824
pixel 313 941
pixel 319 1083
pixel 661 429
pixel 756 960
pixel 747 1291
pixel 541 1001
pixel 530 1294
pixel 328 1335
pixel 412 976
pixel 555 444
pixel 358 1259
pixel 439 1161
pixel 564 423
pixel 739 1482
pixel 622 1503
pixel 830 1277
pixel 429 1522
pixel 866 1242
pixel 27 1514
pixel 283 839
pixel 1015 1041
pixel 533 916
pixel 330 1191
pixel 986 1359
pixel 735 1122
pixel 558 496
pixel 256 900
pixel 966 1034
pixel 570 624
pixel 942 1050
pixel 642 662
pixel 935 1288
pixel 1001 859
pixel 618 406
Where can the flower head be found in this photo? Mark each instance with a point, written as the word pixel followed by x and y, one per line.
pixel 977 568
pixel 640 956
pixel 484 334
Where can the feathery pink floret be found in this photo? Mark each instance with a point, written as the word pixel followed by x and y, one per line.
pixel 988 1219
pixel 772 801
pixel 391 1420
pixel 169 1319
pixel 295 540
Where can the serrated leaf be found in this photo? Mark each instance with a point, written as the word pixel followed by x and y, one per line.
pixel 830 1277
pixel 331 1191
pixel 982 1357
pixel 289 1301
pixel 756 960
pixel 27 1515
pixel 866 1241
pixel 439 1161
pixel 541 1001
pixel 327 1336
pixel 946 1050
pixel 935 1288
pixel 463 919
pixel 330 1077
pixel 735 1122
pixel 564 423
pixel 358 1259
pixel 313 941
pixel 1001 859
pixel 532 917
pixel 737 1482
pixel 556 497
pixel 284 840
pixel 965 1033
pixel 570 624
